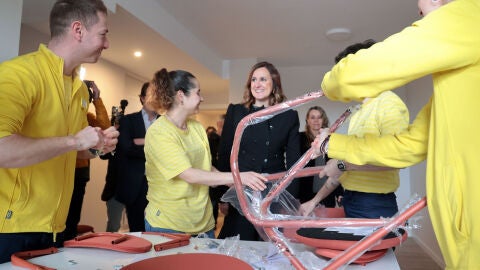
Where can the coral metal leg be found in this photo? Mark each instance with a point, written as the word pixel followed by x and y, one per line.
pixel 269 223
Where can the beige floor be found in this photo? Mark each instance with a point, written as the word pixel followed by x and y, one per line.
pixel 410 255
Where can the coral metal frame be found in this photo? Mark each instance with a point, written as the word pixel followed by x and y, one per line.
pixel 270 223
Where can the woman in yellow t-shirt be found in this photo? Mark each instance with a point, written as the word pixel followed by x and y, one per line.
pixel 178 162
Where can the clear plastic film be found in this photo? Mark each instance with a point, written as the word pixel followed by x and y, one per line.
pixel 283 107
pixel 269 258
pixel 275 211
pixel 389 226
pixel 284 205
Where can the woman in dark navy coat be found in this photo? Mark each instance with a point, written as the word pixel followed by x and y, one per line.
pixel 268 147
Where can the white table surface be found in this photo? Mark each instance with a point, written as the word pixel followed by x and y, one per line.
pixel 89 258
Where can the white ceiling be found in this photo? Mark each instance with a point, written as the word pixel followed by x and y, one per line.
pixel 202 35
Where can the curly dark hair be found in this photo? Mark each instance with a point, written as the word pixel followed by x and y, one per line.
pixel 354 48
pixel 164 87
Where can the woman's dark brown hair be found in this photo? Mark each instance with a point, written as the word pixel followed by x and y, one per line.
pixel 276 96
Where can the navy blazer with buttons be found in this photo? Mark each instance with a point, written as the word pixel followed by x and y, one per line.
pixel 268 147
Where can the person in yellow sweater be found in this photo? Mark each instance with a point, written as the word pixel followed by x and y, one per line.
pixel 82 166
pixel 444 44
pixel 369 190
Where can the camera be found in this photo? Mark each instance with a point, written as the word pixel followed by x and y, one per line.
pixel 118 112
pixel 90 91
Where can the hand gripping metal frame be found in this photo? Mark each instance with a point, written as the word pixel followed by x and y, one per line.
pixel 270 223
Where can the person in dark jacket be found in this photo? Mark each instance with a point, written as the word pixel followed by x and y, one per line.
pixel 268 147
pixel 132 185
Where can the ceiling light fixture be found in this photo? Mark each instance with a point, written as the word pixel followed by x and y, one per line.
pixel 339 34
pixel 137 54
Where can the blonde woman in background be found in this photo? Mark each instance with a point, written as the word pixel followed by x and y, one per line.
pixel 315 120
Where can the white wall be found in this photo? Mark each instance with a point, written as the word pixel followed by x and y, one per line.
pixel 30 39
pixel 10 19
pixel 238 71
pixel 297 81
pixel 114 85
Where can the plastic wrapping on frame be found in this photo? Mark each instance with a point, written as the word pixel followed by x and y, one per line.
pixel 276 208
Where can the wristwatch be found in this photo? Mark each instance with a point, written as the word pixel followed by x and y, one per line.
pixel 95 152
pixel 341 165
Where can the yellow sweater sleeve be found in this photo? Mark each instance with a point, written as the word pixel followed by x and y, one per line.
pixel 417 51
pixel 397 151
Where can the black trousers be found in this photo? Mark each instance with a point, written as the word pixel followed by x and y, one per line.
pixel 234 223
pixel 82 175
pixel 215 195
pixel 136 210
pixel 15 242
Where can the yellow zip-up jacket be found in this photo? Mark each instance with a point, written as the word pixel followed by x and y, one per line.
pixel 446 44
pixel 36 198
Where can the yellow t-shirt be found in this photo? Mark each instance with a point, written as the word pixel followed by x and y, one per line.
pixel 384 115
pixel 172 202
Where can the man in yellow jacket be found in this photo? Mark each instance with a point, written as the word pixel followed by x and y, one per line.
pixel 445 44
pixel 43 127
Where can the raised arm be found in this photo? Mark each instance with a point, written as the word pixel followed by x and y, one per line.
pixel 212 178
pixel 396 151
pixel 100 118
pixel 20 151
pixel 330 185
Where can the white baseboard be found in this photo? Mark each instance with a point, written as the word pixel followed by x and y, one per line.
pixel 437 259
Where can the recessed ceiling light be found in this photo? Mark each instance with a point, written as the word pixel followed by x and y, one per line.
pixel 339 34
pixel 137 54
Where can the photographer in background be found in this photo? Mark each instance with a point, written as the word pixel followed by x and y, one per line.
pixel 118 112
pixel 114 207
pixel 82 166
pixel 132 185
